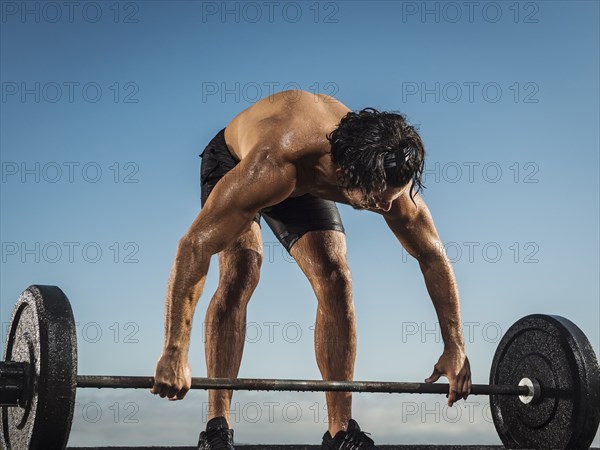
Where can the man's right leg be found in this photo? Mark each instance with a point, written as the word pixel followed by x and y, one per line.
pixel 225 324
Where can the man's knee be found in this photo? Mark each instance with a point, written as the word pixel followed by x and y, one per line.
pixel 333 286
pixel 240 273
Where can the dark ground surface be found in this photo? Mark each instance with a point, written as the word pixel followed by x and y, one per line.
pixel 308 447
pixel 313 447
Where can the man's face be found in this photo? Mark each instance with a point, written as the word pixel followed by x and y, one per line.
pixel 381 200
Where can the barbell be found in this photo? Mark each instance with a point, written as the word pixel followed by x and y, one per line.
pixel 544 381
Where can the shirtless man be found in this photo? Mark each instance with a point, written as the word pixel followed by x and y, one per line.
pixel 288 158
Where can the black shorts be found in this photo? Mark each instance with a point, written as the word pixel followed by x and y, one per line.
pixel 289 219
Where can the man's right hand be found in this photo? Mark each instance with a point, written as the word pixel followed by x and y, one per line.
pixel 172 377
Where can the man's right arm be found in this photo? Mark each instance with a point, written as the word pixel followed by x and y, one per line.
pixel 256 182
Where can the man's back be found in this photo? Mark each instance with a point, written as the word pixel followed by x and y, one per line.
pixel 294 122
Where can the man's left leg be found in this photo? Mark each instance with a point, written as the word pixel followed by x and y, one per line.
pixel 322 257
pixel 311 229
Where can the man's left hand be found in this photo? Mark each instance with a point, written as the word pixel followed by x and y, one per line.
pixel 454 365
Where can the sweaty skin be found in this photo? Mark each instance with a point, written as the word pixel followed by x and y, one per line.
pixel 283 151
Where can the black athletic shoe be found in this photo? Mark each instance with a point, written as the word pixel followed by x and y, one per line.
pixel 351 439
pixel 217 436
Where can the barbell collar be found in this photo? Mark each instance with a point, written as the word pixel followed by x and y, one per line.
pixel 12 382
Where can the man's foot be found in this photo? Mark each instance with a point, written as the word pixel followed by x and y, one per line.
pixel 351 439
pixel 217 436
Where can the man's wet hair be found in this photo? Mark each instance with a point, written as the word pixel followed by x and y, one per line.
pixel 375 149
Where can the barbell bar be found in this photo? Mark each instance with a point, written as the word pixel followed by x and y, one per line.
pixel 258 384
pixel 13 381
pixel 544 382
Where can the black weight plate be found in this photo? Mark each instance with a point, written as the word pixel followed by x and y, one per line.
pixel 42 333
pixel 554 351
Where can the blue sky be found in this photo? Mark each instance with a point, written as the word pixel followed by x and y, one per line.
pixel 106 105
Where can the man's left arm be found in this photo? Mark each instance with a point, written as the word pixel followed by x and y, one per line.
pixel 414 228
